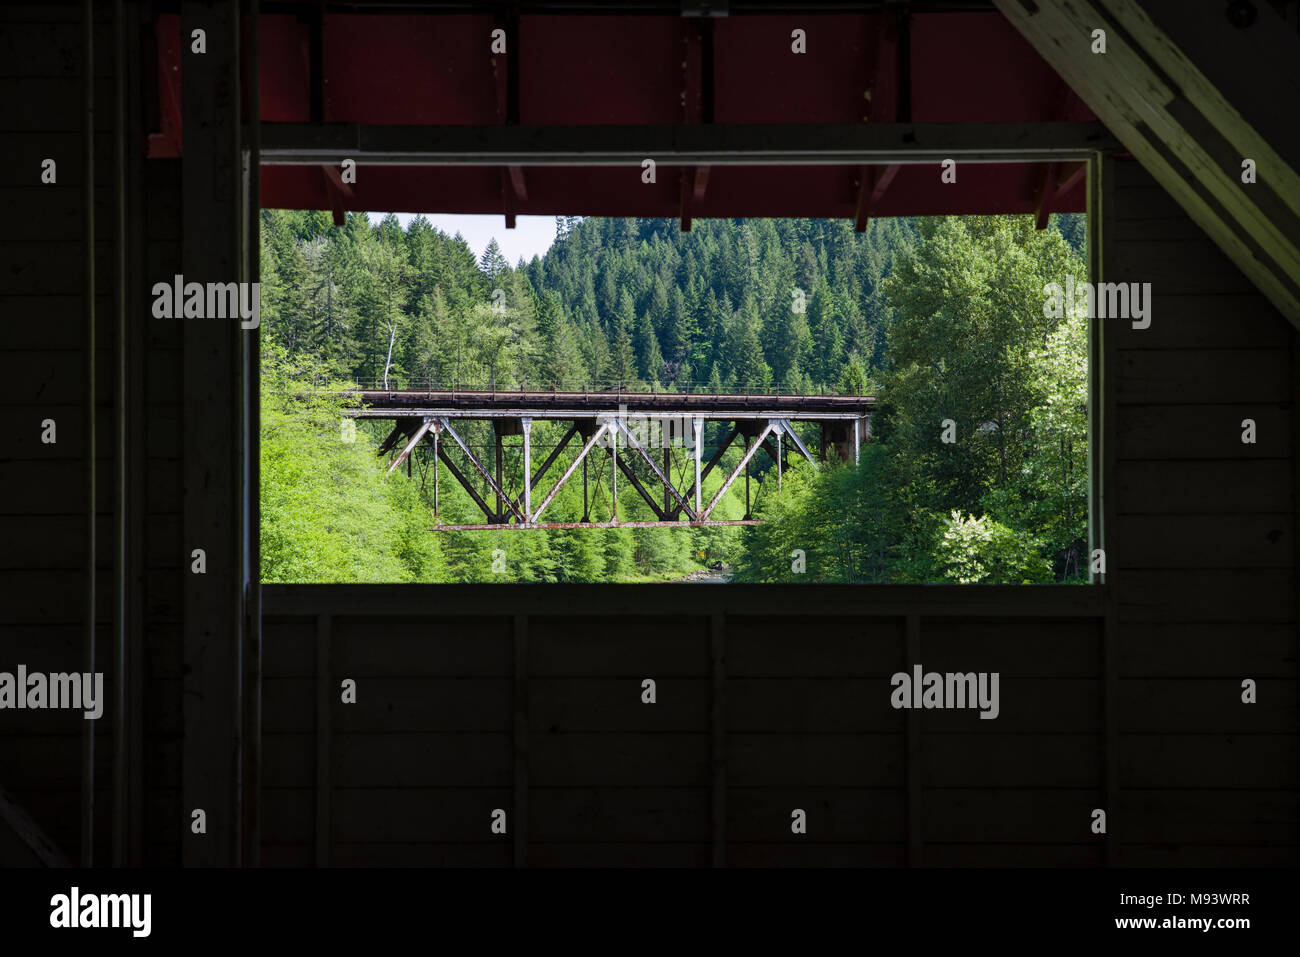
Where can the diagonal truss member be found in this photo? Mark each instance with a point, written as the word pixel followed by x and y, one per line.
pixel 775 427
pixel 431 427
pixel 605 426
pixel 663 479
pixel 478 467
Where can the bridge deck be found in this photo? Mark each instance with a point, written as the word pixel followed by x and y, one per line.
pixel 570 405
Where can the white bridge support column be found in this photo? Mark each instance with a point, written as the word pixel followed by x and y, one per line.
pixel 613 465
pixel 527 425
pixel 697 429
pixel 435 429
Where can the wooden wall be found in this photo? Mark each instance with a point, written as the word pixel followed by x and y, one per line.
pixel 1134 707
pixel 765 704
pixel 1203 548
pixel 1125 697
pixel 42 375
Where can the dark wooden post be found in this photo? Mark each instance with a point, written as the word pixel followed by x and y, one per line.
pixel 213 444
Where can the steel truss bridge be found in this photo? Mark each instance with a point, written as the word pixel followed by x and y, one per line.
pixel 610 428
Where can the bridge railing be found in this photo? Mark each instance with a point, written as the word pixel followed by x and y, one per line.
pixel 612 387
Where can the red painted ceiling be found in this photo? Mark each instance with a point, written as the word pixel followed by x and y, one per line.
pixel 435 69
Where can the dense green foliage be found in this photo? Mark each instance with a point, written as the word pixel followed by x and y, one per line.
pixel 942 319
pixel 969 348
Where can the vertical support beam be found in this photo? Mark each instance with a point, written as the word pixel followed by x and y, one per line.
pixel 213 467
pixel 92 524
pixel 136 500
pixel 121 387
pixel 718 729
pixel 436 429
pixel 501 499
pixel 668 471
pixel 519 814
pixel 586 505
pixel 697 429
pixel 780 458
pixel 1100 390
pixel 912 745
pixel 251 369
pixel 613 471
pixel 1295 466
pixel 527 425
pixel 1101 414
pixel 324 737
pixel 857 440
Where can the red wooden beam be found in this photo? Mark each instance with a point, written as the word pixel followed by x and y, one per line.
pixel 694 180
pixel 882 107
pixel 166 143
pixel 518 184
pixel 337 191
pixel 1069 107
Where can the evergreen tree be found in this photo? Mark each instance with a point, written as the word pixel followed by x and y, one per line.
pixel 650 361
pixel 492 263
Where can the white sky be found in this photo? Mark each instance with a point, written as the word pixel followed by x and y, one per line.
pixel 532 235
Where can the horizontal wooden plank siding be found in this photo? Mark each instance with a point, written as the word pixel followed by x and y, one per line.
pixel 419 763
pixel 820 769
pixel 1204 552
pixel 42 371
pixel 497 726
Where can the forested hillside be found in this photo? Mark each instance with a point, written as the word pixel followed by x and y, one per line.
pixel 731 305
pixel 942 319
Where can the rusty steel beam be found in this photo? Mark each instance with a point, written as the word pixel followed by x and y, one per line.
pixel 415 440
pixel 546 465
pixel 704 472
pixel 563 525
pixel 500 455
pixel 412 403
pixel 636 484
pixel 434 433
pixel 393 436
pixel 663 479
pixel 526 425
pixel 582 457
pixel 478 467
pixel 732 477
pixel 441 451
pixel 798 443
